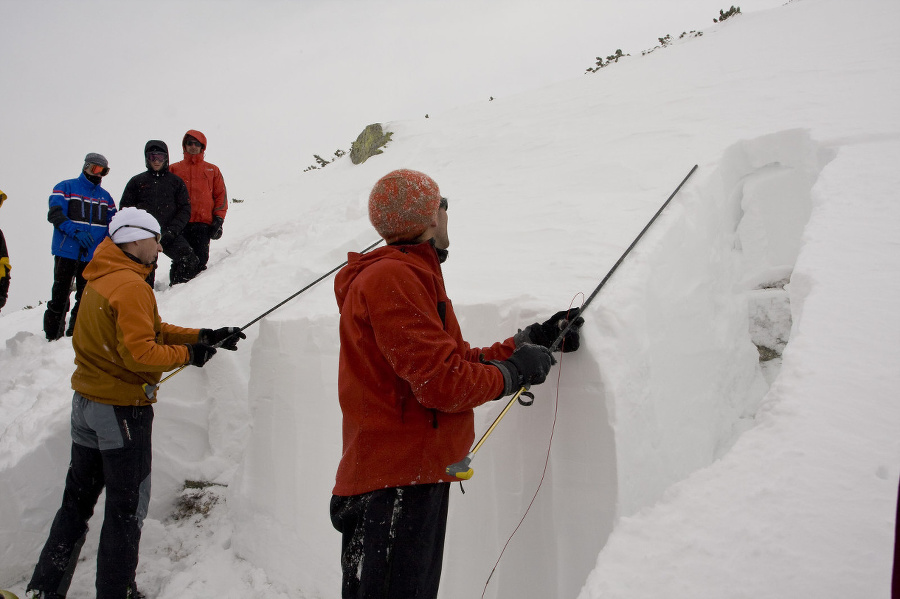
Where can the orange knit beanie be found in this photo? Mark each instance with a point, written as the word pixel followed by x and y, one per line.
pixel 402 204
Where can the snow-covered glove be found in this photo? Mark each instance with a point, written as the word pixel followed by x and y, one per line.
pixel 84 239
pixel 544 334
pixel 215 229
pixel 528 365
pixel 226 337
pixel 200 353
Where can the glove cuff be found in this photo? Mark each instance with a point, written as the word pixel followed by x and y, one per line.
pixel 511 377
pixel 190 354
pixel 203 337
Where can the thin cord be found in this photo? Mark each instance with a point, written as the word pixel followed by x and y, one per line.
pixel 546 464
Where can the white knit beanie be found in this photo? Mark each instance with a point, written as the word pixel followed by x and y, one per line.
pixel 132 224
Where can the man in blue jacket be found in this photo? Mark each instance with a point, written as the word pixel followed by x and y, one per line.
pixel 80 211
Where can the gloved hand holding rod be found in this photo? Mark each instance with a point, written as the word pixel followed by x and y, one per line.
pixel 462 469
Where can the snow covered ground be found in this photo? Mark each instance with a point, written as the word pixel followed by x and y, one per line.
pixel 679 464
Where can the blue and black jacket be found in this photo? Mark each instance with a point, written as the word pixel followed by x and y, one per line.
pixel 79 205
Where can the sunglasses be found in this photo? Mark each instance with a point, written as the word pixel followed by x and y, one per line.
pixel 443 203
pixel 157 156
pixel 193 142
pixel 96 169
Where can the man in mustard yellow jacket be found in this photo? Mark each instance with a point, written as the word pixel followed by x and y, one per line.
pixel 122 347
pixel 4 263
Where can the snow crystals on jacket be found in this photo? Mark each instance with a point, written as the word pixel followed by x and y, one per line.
pixel 407 381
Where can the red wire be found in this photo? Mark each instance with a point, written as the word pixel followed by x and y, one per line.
pixel 546 464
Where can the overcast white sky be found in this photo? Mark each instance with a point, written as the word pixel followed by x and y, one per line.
pixel 104 76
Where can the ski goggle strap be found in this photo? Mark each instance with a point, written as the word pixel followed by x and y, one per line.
pixel 158 236
pixel 96 169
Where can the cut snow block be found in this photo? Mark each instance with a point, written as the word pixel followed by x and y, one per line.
pixel 279 499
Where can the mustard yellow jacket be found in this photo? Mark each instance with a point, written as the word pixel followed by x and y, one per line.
pixel 120 342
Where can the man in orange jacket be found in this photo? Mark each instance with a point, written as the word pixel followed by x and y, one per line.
pixel 121 345
pixel 407 385
pixel 209 199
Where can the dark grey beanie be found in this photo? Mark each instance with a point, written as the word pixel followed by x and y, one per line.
pixel 94 158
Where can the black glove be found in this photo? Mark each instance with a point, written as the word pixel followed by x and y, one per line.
pixel 200 353
pixel 167 238
pixel 527 366
pixel 215 229
pixel 84 239
pixel 2 300
pixel 226 337
pixel 545 334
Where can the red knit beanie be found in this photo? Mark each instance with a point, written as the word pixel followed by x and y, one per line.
pixel 402 204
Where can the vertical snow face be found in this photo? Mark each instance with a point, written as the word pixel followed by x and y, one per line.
pixel 771 179
pixel 279 499
pixel 678 360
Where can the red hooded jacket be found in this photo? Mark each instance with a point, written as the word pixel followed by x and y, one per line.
pixel 407 380
pixel 206 186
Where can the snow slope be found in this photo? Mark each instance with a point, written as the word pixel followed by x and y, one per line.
pixel 678 464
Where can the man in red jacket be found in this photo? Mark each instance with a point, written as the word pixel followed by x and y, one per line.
pixel 209 199
pixel 407 384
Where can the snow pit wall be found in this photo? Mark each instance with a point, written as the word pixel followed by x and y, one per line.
pixel 27 498
pixel 283 484
pixel 666 380
pixel 682 375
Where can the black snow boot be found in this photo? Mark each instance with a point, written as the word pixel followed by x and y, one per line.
pixel 54 323
pixel 133 592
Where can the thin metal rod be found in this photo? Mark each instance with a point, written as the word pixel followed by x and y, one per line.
pixel 497 421
pixel 562 333
pixel 326 275
pixel 150 388
pixel 458 467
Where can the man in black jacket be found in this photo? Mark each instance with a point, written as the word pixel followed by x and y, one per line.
pixel 165 196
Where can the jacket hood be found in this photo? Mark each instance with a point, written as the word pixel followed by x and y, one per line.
pixel 160 146
pixel 196 135
pixel 419 255
pixel 109 258
pixel 194 158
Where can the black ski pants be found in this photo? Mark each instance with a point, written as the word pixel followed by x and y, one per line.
pixel 64 270
pixel 392 541
pixel 111 449
pixel 198 237
pixel 184 261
